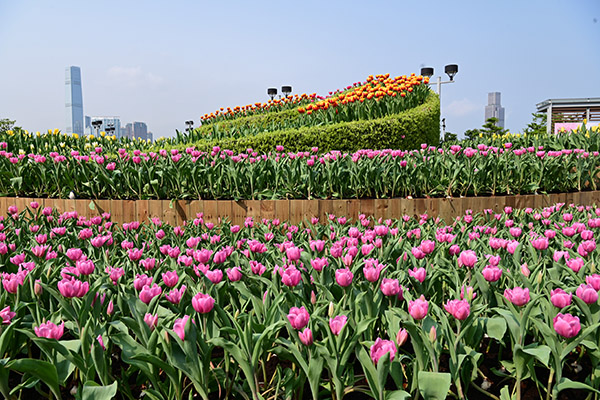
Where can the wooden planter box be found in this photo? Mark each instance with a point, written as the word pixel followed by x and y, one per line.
pixel 294 211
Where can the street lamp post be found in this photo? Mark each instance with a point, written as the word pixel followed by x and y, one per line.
pixel 110 128
pixel 272 92
pixel 451 70
pixel 96 124
pixel 190 125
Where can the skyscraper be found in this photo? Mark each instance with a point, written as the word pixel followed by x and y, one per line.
pixel 140 130
pixel 494 109
pixel 73 101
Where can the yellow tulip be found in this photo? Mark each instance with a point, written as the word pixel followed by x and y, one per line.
pixel 76 136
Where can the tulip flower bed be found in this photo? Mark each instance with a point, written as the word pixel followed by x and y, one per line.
pixel 221 174
pixel 492 305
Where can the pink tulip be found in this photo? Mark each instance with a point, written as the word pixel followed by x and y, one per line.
pixel 257 268
pixel 234 274
pixel 372 270
pixel 540 243
pixel 151 320
pixel 49 330
pixel 6 315
pixel 170 278
pixel 566 325
pixel 179 326
pixel 306 337
pixel 175 295
pixel 203 303
pixel 401 337
pixel 149 292
pixel 74 254
pixel 593 281
pixel 418 308
pixel 148 263
pixel 319 263
pixel 293 253
pixel 587 293
pixel 337 323
pixel 390 287
pixel 454 250
pixel 418 273
pixel 418 253
pixel 298 317
pixel 467 258
pixel 215 275
pixel 575 264
pixel 459 309
pixel 382 347
pixel 141 280
pixel 560 298
pixel 85 267
pixel 491 273
pixel 518 296
pixel 427 246
pixel 73 288
pixel 291 277
pixel 344 277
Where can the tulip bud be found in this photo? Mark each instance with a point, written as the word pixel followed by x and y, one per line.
pixel 540 277
pixel 432 334
pixel 331 309
pixel 167 337
pixel 401 337
pixel 313 298
pixel 110 308
pixel 37 288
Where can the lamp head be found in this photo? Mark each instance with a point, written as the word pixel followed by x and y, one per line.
pixel 427 71
pixel 286 90
pixel 272 92
pixel 451 70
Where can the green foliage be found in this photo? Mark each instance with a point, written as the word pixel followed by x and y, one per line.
pixel 6 125
pixel 491 127
pixel 406 130
pixel 538 125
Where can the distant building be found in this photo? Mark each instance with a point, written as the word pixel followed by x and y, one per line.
pixel 150 136
pixel 73 101
pixel 127 132
pixel 110 125
pixel 494 109
pixel 140 130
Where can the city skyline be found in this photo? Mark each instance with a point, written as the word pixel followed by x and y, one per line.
pixel 175 62
pixel 73 100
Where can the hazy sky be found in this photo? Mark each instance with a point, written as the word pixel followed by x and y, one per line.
pixel 165 62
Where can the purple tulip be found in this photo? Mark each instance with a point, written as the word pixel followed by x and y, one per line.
pixel 390 287
pixel 560 298
pixel 459 309
pixel 49 330
pixel 587 293
pixel 518 296
pixel 566 325
pixel 298 317
pixel 203 303
pixel 344 277
pixel 179 326
pixel 337 323
pixel 418 308
pixel 306 337
pixel 382 347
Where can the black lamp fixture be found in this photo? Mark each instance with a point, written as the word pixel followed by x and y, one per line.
pixel 427 71
pixel 96 124
pixel 286 90
pixel 110 128
pixel 272 92
pixel 190 125
pixel 451 70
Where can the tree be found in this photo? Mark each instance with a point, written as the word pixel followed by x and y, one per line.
pixel 472 134
pixel 6 125
pixel 537 125
pixel 491 127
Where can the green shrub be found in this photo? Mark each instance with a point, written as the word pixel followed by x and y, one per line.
pixel 406 130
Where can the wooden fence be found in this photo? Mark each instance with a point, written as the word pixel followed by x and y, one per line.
pixel 175 212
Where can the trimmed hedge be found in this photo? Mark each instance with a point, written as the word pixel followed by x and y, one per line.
pixel 406 130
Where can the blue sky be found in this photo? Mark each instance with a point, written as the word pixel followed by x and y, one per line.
pixel 167 62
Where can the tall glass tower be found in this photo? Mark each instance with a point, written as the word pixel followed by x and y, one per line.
pixel 73 100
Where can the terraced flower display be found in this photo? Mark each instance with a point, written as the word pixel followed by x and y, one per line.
pixel 495 305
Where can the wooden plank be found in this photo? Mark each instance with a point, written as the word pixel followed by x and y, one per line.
pixel 340 208
pixel 129 213
pixel 142 210
pixel 169 214
pixel 308 209
pixel 195 208
pixel 224 210
pixel 238 211
pixel 420 207
pixel 267 209
pixel 83 209
pixel 282 210
pixel 155 209
pixel 103 206
pixel 325 209
pixel 181 211
pixel 298 211
pixel 367 207
pixel 382 209
pixel 353 207
pixel 253 209
pixel 116 211
pixel 447 210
